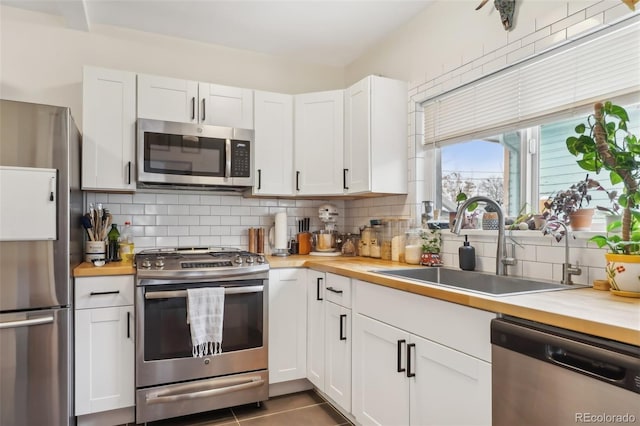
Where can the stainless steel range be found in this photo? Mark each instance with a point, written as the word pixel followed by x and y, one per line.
pixel 170 381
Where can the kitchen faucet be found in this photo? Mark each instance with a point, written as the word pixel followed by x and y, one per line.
pixel 501 255
pixel 567 269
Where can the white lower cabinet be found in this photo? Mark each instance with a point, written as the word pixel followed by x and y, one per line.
pixel 315 328
pixel 104 344
pixel 287 325
pixel 402 374
pixel 329 336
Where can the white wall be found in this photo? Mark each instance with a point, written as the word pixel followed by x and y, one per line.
pixel 41 61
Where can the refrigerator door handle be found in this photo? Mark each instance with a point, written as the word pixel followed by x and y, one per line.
pixel 27 322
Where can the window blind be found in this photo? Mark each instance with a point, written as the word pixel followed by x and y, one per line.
pixel 600 66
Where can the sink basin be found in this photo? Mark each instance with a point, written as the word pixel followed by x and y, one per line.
pixel 494 285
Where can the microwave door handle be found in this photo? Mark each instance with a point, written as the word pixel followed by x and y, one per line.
pixel 227 169
pixel 195 390
pixel 183 293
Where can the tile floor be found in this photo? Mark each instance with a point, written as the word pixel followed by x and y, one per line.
pixel 303 408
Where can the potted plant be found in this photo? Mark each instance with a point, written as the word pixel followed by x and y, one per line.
pixel 431 245
pixel 605 143
pixel 490 217
pixel 569 205
pixel 460 198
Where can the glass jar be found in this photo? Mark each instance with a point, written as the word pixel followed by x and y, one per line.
pixel 413 246
pixel 374 242
pixel 398 239
pixel 386 237
pixel 365 239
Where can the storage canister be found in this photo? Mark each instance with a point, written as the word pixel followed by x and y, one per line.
pixel 374 241
pixel 365 239
pixel 413 246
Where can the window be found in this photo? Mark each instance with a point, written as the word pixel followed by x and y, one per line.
pixel 503 136
pixel 521 167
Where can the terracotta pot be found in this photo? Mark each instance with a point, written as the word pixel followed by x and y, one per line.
pixel 539 221
pixel 623 272
pixel 490 220
pixel 581 219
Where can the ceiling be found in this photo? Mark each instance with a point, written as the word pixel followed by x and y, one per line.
pixel 328 32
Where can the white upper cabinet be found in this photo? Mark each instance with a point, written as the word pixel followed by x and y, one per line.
pixel 375 142
pixel 225 106
pixel 185 101
pixel 109 129
pixel 319 135
pixel 273 140
pixel 167 99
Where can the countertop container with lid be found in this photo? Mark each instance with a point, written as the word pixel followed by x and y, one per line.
pixel 374 241
pixel 365 239
pixel 413 246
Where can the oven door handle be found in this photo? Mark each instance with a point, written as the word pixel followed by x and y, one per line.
pixel 183 293
pixel 182 392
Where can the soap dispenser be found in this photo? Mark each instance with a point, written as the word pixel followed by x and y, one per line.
pixel 467 255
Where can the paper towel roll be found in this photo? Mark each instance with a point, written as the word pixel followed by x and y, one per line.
pixel 280 240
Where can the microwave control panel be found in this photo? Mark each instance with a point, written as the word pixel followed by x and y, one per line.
pixel 240 158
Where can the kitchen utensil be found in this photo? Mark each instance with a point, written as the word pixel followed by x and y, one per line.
pixel 86 223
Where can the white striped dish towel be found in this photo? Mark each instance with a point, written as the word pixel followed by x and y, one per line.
pixel 205 312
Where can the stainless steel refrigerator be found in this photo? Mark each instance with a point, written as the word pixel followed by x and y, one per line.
pixel 40 243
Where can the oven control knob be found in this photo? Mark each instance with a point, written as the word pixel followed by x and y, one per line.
pixel 159 262
pixel 250 259
pixel 146 263
pixel 238 260
pixel 260 259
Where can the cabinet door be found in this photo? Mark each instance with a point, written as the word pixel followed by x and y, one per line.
pixel 225 106
pixel 337 355
pixel 104 359
pixel 168 99
pixel 319 136
pixel 449 387
pixel 287 325
pixel 273 144
pixel 380 391
pixel 109 129
pixel 357 142
pixel 315 328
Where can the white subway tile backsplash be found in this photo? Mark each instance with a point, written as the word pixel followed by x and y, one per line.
pixel 167 242
pixel 568 21
pixel 120 198
pixel 210 200
pixel 189 220
pixel 144 220
pixel 167 220
pixel 210 240
pixel 130 209
pixel 177 230
pixel 188 241
pixel 545 43
pixel 156 209
pixel 211 220
pixel 155 231
pixel 144 198
pixel 199 210
pixel 584 26
pixel 554 12
pixel 200 230
pixel 220 210
pixel 188 199
pixel 178 210
pixel 167 198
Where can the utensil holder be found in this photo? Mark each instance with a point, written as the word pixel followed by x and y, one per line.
pixel 95 250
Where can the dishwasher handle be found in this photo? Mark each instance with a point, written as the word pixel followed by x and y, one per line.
pixel 585 364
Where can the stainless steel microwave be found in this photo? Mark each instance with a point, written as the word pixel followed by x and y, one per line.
pixel 186 154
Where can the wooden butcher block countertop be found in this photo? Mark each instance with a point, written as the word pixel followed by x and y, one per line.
pixel 585 310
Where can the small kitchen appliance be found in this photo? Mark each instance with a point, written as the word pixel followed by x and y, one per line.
pixel 278 236
pixel 325 242
pixel 170 381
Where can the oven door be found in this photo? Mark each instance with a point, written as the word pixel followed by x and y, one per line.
pixel 164 349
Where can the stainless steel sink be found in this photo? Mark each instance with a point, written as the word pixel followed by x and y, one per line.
pixel 494 285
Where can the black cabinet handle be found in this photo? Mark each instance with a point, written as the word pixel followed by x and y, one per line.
pixel 128 325
pixel 344 178
pixel 342 324
pixel 103 293
pixel 409 373
pixel 400 343
pixel 318 289
pixel 333 290
pixel 129 173
pixel 204 115
pixel 297 181
pixel 193 108
pixel 259 178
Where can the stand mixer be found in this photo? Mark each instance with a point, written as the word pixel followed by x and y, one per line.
pixel 325 241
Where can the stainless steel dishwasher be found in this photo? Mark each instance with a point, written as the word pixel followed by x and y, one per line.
pixel 543 375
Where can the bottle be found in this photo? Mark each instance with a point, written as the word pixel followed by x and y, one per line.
pixel 126 243
pixel 113 249
pixel 467 256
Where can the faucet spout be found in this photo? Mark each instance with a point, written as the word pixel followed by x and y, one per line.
pixel 567 268
pixel 500 255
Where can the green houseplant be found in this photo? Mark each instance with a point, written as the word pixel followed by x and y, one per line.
pixel 569 205
pixel 604 143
